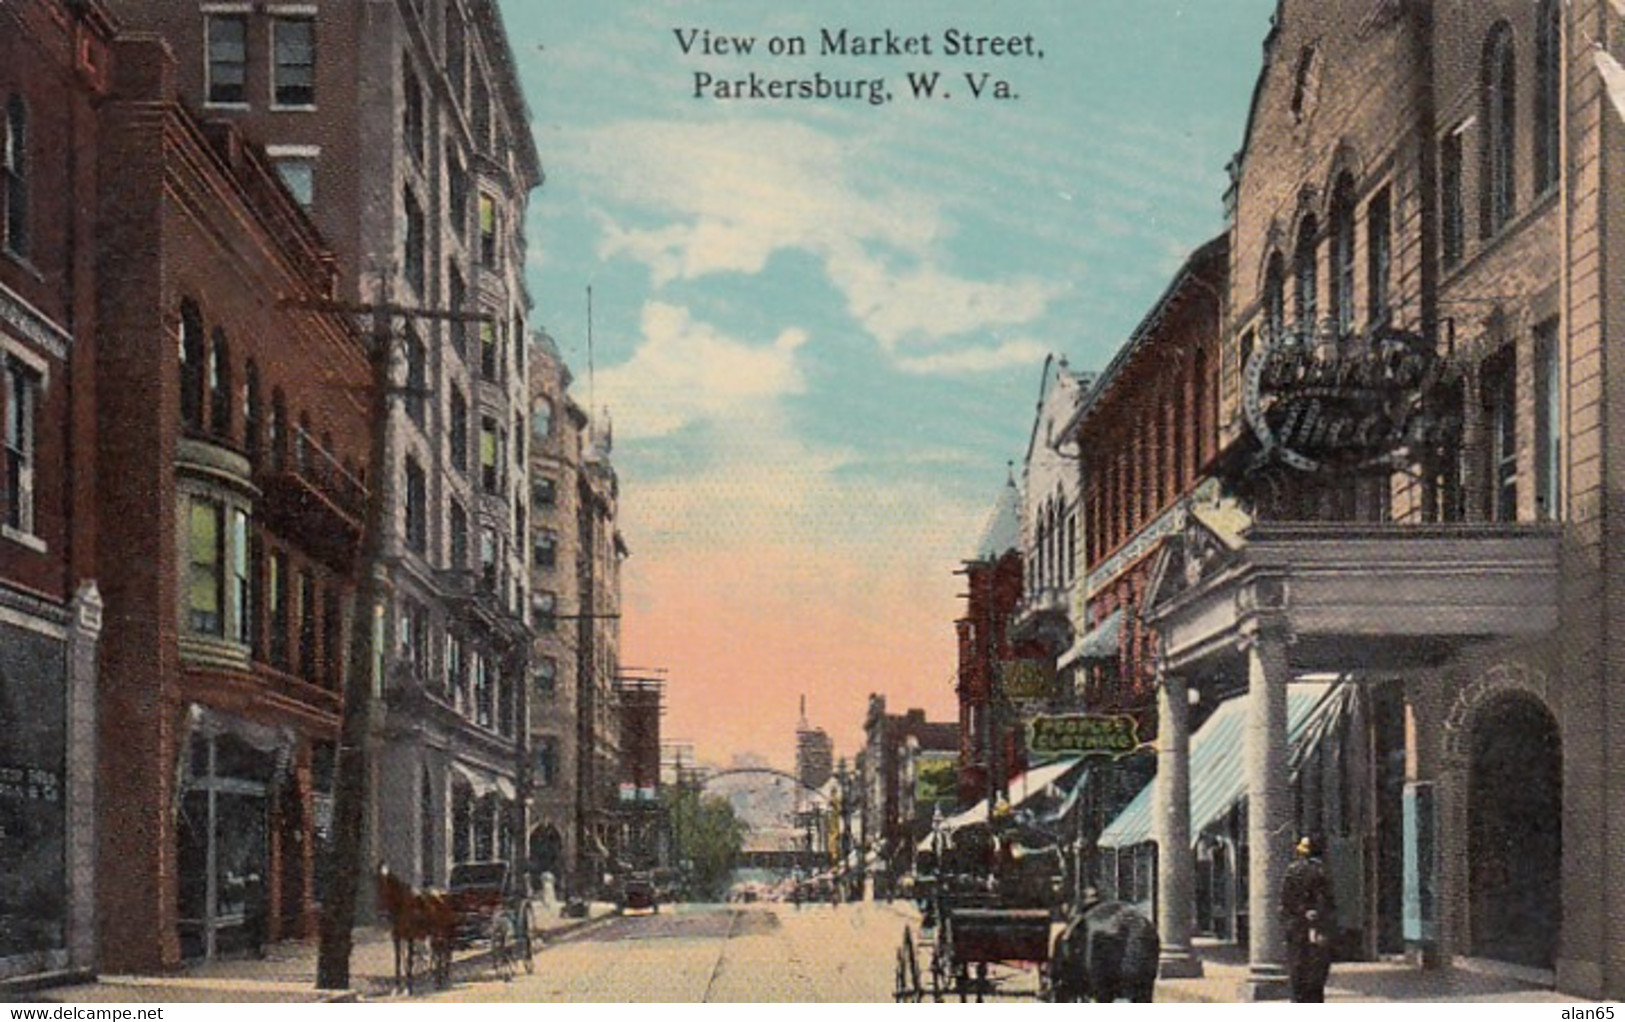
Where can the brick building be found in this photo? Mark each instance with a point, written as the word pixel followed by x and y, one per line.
pixel 1412 418
pixel 402 128
pixel 901 784
pixel 54 60
pixel 239 426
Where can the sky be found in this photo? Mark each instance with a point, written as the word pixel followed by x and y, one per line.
pixel 819 322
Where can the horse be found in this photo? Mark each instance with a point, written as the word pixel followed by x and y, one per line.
pixel 1107 950
pixel 415 916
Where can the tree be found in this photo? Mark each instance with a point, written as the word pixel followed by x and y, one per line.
pixel 707 835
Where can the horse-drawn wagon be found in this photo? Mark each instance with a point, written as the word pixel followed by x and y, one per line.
pixel 492 905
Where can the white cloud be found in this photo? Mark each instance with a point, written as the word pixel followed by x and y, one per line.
pixel 729 195
pixel 975 360
pixel 686 371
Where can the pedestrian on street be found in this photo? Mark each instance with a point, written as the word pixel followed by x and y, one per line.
pixel 1307 912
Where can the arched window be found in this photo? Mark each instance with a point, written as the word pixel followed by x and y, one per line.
pixel 1343 255
pixel 1498 113
pixel 1274 302
pixel 1548 94
pixel 17 238
pixel 253 413
pixel 220 385
pixel 1306 303
pixel 541 418
pixel 192 355
pixel 1199 392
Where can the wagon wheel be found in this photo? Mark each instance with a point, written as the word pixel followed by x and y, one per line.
pixel 908 970
pixel 527 945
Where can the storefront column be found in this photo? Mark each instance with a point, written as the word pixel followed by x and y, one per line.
pixel 84 639
pixel 1172 797
pixel 1268 811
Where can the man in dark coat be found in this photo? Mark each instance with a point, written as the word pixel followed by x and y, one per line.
pixel 1307 913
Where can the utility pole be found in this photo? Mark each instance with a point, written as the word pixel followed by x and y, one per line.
pixel 351 769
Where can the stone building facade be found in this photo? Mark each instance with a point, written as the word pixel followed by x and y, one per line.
pixel 402 128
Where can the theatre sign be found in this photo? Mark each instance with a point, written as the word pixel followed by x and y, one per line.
pixel 1359 407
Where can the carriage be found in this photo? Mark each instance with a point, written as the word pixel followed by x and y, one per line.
pixel 492 905
pixel 989 916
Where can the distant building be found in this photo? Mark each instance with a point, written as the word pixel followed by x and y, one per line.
pixel 908 770
pixel 815 752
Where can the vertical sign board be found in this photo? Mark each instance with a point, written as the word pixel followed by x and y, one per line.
pixel 1420 917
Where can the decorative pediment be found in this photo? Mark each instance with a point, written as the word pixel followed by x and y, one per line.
pixel 1207 543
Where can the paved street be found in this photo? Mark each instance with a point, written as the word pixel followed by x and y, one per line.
pixel 712 953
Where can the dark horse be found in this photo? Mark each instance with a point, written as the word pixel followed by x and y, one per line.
pixel 414 916
pixel 1107 951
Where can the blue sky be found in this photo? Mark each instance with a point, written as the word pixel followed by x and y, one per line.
pixel 819 325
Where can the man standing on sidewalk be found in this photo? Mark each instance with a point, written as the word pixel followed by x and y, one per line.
pixel 1306 911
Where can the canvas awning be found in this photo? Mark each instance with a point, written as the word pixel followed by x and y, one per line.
pixel 1098 643
pixel 1025 788
pixel 1218 779
pixel 484 783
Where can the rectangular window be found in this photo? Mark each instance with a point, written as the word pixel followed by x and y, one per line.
pixel 276 588
pixel 417 519
pixel 294 64
pixel 1379 258
pixel 544 491
pixel 489 477
pixel 457 433
pixel 456 680
pixel 15 182
pixel 333 638
pixel 415 259
pixel 483 695
pixel 547 675
pixel 458 298
pixel 545 773
pixel 308 622
pixel 228 58
pixel 1548 424
pixel 242 588
pixel 459 537
pixel 545 549
pixel 488 558
pixel 545 607
pixel 456 58
pixel 1452 212
pixel 22 385
pixel 206 554
pixel 1501 419
pixel 488 230
pixel 488 350
pixel 456 193
pixel 412 131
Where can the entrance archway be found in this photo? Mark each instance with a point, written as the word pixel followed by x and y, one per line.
pixel 546 852
pixel 1515 836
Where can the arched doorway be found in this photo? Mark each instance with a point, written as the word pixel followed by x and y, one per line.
pixel 1515 837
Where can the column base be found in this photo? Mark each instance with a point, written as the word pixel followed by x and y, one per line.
pixel 1265 983
pixel 1178 963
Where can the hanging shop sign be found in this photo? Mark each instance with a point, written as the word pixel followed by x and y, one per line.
pixel 1083 734
pixel 1027 679
pixel 1318 409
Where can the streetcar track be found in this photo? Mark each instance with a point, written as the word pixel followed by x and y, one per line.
pixel 734 916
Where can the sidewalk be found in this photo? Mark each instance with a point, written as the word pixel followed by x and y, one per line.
pixel 287 973
pixel 1224 967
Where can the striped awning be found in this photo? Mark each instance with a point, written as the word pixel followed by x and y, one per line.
pixel 1218 780
pixel 1024 788
pixel 1099 643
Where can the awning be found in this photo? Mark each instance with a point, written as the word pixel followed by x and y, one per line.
pixel 1218 780
pixel 483 783
pixel 1098 643
pixel 1025 788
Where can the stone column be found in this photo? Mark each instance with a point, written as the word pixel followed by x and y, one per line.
pixel 1172 819
pixel 84 637
pixel 1268 812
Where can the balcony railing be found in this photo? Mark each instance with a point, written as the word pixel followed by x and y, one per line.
pixel 310 494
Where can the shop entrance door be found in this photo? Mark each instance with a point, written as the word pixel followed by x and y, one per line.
pixel 1515 839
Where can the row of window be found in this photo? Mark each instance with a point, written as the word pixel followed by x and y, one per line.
pixel 469 679
pixel 1052 561
pixel 1151 462
pixel 243 588
pixel 291 60
pixel 209 408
